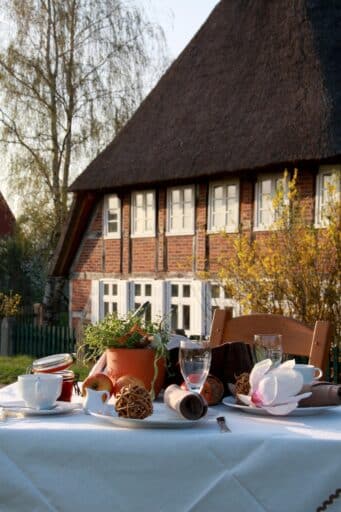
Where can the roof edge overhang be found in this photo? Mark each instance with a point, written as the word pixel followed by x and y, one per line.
pixel 76 224
pixel 210 176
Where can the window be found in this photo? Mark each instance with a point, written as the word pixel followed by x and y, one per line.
pixel 266 188
pixel 220 299
pixel 109 298
pixel 181 305
pixel 112 217
pixel 327 192
pixel 223 207
pixel 180 211
pixel 143 213
pixel 142 292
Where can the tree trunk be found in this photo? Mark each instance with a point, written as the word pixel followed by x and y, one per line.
pixel 53 299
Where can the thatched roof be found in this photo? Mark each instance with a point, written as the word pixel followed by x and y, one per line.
pixel 259 85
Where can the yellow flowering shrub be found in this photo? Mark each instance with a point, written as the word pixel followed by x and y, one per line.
pixel 294 269
pixel 9 304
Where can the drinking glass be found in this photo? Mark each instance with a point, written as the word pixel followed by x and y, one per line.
pixel 195 360
pixel 268 346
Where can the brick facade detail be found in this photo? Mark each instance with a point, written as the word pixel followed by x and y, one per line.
pixel 143 255
pixel 81 290
pixel 91 257
pixel 164 256
pixel 180 254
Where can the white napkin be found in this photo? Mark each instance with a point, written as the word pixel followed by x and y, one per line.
pixel 274 389
pixel 100 365
pixel 189 405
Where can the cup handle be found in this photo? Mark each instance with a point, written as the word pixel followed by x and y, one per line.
pixel 38 386
pixel 318 373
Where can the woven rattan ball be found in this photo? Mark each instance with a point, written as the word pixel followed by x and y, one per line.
pixel 134 402
pixel 242 385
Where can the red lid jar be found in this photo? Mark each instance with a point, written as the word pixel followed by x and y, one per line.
pixel 58 363
pixel 51 364
pixel 68 383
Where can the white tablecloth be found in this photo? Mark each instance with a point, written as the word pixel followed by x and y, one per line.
pixel 76 463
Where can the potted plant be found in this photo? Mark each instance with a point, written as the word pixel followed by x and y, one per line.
pixel 132 347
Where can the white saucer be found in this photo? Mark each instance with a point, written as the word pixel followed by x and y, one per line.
pixel 58 408
pixel 162 417
pixel 230 401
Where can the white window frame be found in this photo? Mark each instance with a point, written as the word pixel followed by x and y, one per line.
pixel 196 303
pixel 334 171
pixel 274 178
pixel 221 302
pixel 161 300
pixel 180 231
pixel 122 297
pixel 142 298
pixel 145 232
pixel 106 211
pixel 231 221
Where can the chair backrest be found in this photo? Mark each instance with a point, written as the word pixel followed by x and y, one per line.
pixel 297 338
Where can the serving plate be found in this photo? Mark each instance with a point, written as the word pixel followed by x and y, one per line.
pixel 230 401
pixel 59 408
pixel 162 417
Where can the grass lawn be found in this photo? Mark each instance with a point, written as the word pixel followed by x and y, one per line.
pixel 11 367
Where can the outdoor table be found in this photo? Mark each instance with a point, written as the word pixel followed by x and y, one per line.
pixel 78 463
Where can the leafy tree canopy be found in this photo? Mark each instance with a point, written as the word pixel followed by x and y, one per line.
pixel 71 74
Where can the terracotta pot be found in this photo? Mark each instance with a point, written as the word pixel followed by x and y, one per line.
pixel 138 362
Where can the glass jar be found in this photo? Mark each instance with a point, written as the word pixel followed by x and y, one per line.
pixel 51 364
pixel 59 364
pixel 68 384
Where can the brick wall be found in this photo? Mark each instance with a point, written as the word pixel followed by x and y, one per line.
pixel 162 254
pixel 143 255
pixel 306 187
pixel 200 261
pixel 125 261
pixel 246 204
pixel 91 257
pixel 96 223
pixel 161 263
pixel 96 253
pixel 220 246
pixel 180 253
pixel 112 256
pixel 81 290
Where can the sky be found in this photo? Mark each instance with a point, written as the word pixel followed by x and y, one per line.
pixel 180 20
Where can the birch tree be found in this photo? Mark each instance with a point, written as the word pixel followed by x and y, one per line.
pixel 71 74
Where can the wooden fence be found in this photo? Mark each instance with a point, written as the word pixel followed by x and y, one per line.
pixel 42 340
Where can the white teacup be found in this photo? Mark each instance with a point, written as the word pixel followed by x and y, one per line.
pixel 40 391
pixel 308 372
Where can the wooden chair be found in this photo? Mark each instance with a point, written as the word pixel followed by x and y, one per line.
pixel 297 338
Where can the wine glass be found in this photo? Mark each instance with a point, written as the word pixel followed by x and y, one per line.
pixel 268 346
pixel 195 361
